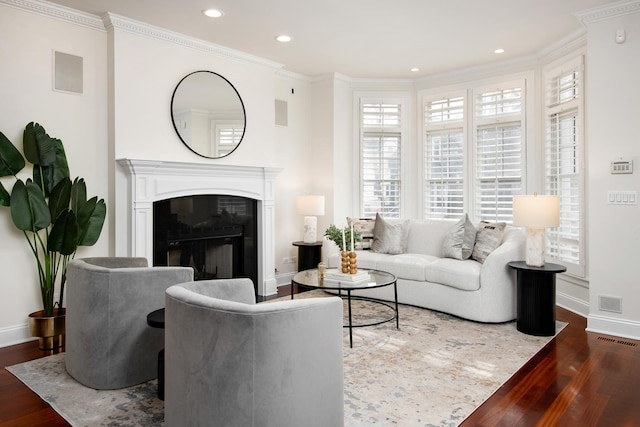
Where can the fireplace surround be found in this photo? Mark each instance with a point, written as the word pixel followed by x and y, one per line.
pixel 149 181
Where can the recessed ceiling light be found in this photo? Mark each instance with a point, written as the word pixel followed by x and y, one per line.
pixel 213 13
pixel 499 50
pixel 415 69
pixel 283 38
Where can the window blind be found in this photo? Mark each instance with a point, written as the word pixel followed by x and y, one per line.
pixel 443 153
pixel 499 152
pixel 498 171
pixel 227 138
pixel 381 159
pixel 563 164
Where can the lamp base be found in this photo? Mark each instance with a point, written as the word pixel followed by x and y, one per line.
pixel 536 245
pixel 310 229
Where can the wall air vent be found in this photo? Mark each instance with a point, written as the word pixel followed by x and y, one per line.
pixel 611 304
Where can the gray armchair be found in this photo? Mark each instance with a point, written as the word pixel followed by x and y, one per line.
pixel 108 342
pixel 231 362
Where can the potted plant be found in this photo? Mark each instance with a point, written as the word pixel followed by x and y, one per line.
pixel 336 235
pixel 55 217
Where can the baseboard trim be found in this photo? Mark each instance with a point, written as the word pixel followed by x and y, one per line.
pixel 285 278
pixel 573 304
pixel 17 334
pixel 612 326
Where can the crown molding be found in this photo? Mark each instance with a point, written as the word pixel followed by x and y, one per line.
pixel 608 11
pixel 113 22
pixel 55 11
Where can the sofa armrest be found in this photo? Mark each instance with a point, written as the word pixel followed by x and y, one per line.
pixel 494 272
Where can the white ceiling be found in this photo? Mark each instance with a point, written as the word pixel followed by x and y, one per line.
pixel 365 38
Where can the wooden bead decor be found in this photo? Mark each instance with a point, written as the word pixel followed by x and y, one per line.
pixel 349 262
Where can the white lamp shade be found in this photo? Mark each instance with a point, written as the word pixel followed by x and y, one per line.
pixel 536 211
pixel 310 205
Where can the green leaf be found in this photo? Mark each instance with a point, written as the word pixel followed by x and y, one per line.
pixel 60 197
pixel 29 209
pixel 90 221
pixel 5 197
pixel 52 174
pixel 64 234
pixel 11 161
pixel 78 194
pixel 38 147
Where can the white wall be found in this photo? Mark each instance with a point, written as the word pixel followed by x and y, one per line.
pixel 27 42
pixel 124 112
pixel 613 111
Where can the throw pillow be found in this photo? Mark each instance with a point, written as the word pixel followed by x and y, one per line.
pixel 488 238
pixel 365 226
pixel 390 237
pixel 458 243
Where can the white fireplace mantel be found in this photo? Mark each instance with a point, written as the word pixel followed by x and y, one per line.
pixel 150 181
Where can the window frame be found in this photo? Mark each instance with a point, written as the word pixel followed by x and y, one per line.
pixel 470 89
pixel 360 99
pixel 577 104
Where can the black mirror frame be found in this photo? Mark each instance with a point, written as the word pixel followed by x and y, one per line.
pixel 173 120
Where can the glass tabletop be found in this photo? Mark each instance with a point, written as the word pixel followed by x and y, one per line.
pixel 371 279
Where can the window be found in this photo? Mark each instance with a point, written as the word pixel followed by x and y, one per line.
pixel 227 137
pixel 478 133
pixel 444 158
pixel 380 156
pixel 564 164
pixel 499 152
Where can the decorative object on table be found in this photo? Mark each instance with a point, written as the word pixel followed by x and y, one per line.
pixel 54 215
pixel 322 269
pixel 349 258
pixel 337 275
pixel 536 213
pixel 340 236
pixel 310 207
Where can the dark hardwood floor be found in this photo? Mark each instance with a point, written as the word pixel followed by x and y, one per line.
pixel 578 379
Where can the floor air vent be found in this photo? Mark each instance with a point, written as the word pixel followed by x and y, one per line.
pixel 613 340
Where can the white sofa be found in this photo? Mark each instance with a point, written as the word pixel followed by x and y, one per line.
pixel 484 292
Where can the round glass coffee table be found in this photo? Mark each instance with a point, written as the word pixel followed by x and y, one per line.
pixel 375 279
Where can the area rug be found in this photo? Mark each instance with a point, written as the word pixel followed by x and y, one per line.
pixel 433 371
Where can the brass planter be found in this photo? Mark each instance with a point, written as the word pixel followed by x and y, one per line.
pixel 49 330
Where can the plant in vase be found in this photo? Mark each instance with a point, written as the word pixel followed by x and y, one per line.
pixel 54 215
pixel 342 237
pixel 346 239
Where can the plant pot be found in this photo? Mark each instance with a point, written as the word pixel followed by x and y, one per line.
pixel 49 330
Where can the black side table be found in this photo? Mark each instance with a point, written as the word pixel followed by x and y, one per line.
pixel 536 295
pixel 309 255
pixel 155 319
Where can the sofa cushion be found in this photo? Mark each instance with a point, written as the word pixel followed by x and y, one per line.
pixel 458 274
pixel 365 226
pixel 488 238
pixel 407 266
pixel 458 243
pixel 390 237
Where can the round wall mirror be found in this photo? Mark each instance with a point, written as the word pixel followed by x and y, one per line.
pixel 208 114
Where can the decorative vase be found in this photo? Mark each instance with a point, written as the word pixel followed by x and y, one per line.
pixel 353 262
pixel 48 329
pixel 349 262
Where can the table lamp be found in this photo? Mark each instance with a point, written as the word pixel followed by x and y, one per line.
pixel 310 206
pixel 536 213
